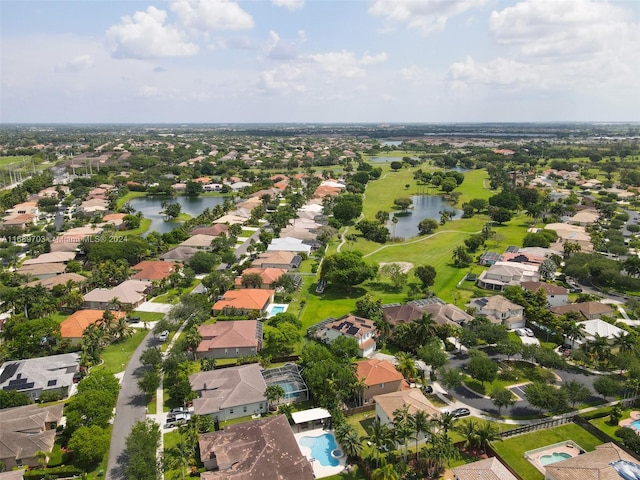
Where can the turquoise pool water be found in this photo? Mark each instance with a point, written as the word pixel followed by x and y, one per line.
pixel 321 448
pixel 555 457
pixel 277 309
pixel 635 424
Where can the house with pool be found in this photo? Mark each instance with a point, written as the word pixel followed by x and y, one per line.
pixel 229 393
pixel 413 399
pixel 362 330
pixel 264 448
pixel 607 461
pixel 245 301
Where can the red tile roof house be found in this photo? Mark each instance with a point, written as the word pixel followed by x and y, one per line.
pixel 243 302
pixel 153 270
pixel 380 376
pixel 73 326
pixel 214 230
pixel 230 339
pixel 269 276
pixel 556 294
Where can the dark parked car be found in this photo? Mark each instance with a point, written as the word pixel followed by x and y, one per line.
pixel 427 389
pixel 461 412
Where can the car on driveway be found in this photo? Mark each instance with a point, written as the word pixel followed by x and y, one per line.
pixel 175 411
pixel 520 332
pixel 163 336
pixel 427 389
pixel 177 419
pixel 461 412
pixel 528 332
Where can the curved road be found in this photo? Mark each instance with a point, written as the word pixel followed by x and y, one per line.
pixel 131 408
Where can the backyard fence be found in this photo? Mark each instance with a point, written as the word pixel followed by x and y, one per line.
pixel 355 410
pixel 532 427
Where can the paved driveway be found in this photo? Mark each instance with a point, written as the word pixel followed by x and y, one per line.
pixel 155 307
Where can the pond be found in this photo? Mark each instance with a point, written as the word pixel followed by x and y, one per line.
pixel 151 206
pixel 424 206
pixel 384 159
pixel 390 143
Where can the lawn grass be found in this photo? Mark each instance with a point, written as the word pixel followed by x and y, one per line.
pixel 149 316
pixel 128 197
pixel 603 424
pixel 116 356
pixel 145 224
pixel 512 449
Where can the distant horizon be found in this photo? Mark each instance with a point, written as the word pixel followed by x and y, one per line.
pixel 348 62
pixel 367 123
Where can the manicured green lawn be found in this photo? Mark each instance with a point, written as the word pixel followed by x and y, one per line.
pixel 145 224
pixel 512 449
pixel 128 197
pixel 603 424
pixel 116 356
pixel 148 316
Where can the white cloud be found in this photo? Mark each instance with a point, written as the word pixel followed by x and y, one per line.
pixel 289 4
pixel 207 15
pixel 344 63
pixel 150 92
pixel 566 46
pixel 278 49
pixel 145 35
pixel 426 15
pixel 560 28
pixel 77 64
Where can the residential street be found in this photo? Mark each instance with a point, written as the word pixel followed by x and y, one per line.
pixel 131 407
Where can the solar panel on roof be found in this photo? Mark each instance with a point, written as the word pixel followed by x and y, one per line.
pixel 352 330
pixel 9 371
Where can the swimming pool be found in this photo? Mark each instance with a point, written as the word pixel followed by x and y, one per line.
pixel 635 425
pixel 555 457
pixel 276 308
pixel 321 448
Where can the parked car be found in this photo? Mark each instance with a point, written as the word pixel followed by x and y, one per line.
pixel 177 419
pixel 461 412
pixel 133 319
pixel 520 332
pixel 528 332
pixel 427 389
pixel 175 411
pixel 565 349
pixel 163 336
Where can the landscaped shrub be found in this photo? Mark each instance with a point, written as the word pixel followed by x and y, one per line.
pixel 55 472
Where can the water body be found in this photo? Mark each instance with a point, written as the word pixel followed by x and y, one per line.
pixel 151 206
pixel 390 143
pixel 383 159
pixel 424 206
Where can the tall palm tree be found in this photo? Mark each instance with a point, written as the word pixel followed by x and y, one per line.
pixel 445 421
pixel 627 342
pixel 425 328
pixel 358 388
pixel 349 439
pixel 383 331
pixel 121 329
pixel 574 331
pixel 382 439
pixel 421 424
pixel 632 265
pixel 402 428
pixel 599 347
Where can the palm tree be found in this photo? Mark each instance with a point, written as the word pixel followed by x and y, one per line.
pixel 425 328
pixel 349 439
pixel 445 421
pixel 406 365
pixel 485 434
pixel 383 330
pixel 632 265
pixel 599 347
pixel 387 472
pixel 421 424
pixel 107 322
pixel 574 331
pixel 178 456
pixel 358 388
pixel 43 458
pixel 571 247
pixel 402 427
pixel 115 304
pixel 382 217
pixel 274 393
pixel 381 437
pixel 468 429
pixel 122 329
pixel 627 342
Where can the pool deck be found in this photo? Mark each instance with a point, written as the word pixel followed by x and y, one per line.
pixel 278 306
pixel 633 416
pixel 535 461
pixel 319 471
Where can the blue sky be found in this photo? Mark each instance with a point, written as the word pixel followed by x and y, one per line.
pixel 219 61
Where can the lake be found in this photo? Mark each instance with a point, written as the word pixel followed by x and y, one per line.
pixel 424 206
pixel 384 159
pixel 390 143
pixel 151 206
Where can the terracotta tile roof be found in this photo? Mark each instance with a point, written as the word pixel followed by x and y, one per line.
pixel 62 279
pixel 228 334
pixel 74 324
pixel 268 275
pixel 153 270
pixel 413 398
pixel 245 299
pixel 375 372
pixel 214 230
